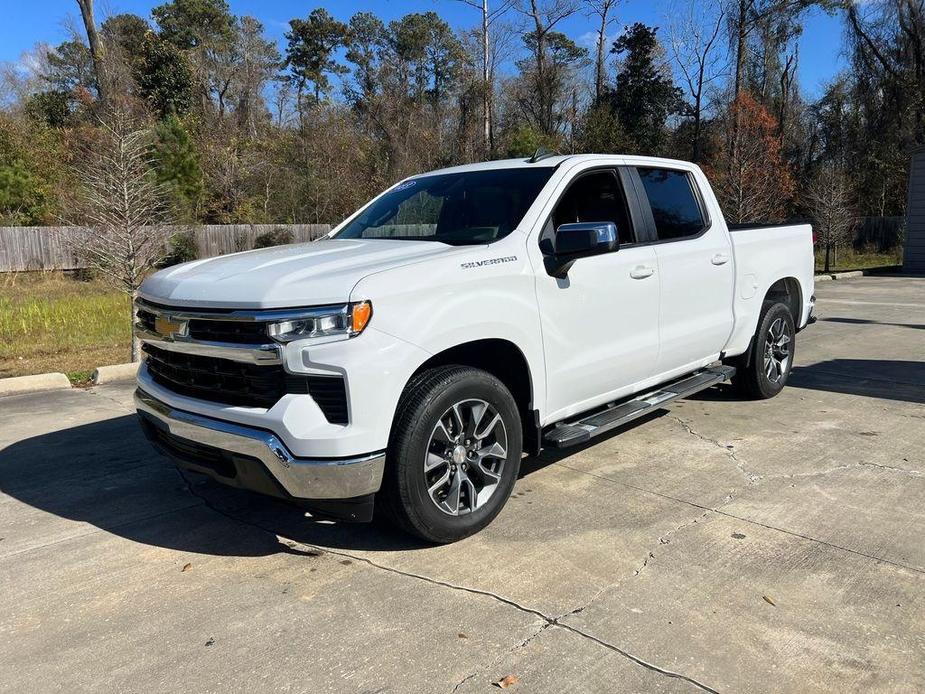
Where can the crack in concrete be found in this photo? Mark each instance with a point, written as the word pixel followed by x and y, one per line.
pixel 750 479
pixel 893 468
pixel 719 510
pixel 121 405
pixel 497 661
pixel 838 468
pixel 553 622
pixel 663 539
pixel 638 660
pixel 879 560
pixel 549 621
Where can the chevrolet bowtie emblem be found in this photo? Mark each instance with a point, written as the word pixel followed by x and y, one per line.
pixel 165 326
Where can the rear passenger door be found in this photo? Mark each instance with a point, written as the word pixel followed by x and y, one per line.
pixel 695 270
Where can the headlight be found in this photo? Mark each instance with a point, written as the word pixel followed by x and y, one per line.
pixel 346 321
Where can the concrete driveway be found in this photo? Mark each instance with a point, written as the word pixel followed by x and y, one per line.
pixel 721 545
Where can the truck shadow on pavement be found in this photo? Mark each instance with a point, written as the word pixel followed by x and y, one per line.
pixel 872 378
pixel 865 321
pixel 106 474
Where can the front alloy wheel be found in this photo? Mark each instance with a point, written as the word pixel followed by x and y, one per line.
pixel 465 457
pixel 453 455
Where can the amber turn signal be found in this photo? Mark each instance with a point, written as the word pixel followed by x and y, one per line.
pixel 360 313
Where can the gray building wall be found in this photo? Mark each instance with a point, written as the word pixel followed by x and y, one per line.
pixel 914 252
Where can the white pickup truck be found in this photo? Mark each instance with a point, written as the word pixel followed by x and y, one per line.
pixel 462 318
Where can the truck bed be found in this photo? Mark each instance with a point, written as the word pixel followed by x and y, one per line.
pixel 763 254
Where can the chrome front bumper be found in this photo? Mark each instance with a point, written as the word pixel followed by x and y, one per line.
pixel 301 478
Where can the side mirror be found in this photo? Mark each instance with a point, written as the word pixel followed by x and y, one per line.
pixel 581 240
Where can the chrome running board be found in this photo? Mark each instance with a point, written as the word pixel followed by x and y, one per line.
pixel 616 414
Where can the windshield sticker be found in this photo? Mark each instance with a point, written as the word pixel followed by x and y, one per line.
pixel 490 261
pixel 404 186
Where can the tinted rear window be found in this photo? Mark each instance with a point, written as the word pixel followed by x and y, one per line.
pixel 674 205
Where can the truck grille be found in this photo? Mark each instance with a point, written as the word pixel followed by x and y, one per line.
pixel 237 383
pixel 236 332
pixel 146 319
pixel 229 331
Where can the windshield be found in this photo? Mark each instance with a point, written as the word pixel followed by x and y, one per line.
pixel 458 208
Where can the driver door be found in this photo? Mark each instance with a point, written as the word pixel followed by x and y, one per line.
pixel 600 322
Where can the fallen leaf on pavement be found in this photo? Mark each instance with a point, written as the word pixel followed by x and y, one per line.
pixel 768 600
pixel 508 681
pixel 186 567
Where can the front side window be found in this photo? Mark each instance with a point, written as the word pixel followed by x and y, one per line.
pixel 595 197
pixel 469 208
pixel 673 201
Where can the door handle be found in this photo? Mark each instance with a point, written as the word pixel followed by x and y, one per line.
pixel 719 259
pixel 640 272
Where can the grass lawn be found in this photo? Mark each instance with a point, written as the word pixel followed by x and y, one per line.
pixel 54 322
pixel 850 259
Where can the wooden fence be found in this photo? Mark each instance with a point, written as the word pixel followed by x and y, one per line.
pixel 43 248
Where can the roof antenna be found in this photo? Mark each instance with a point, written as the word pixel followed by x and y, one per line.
pixel 540 154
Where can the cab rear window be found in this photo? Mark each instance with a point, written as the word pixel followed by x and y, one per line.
pixel 674 203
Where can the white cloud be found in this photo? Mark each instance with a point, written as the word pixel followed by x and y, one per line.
pixel 589 38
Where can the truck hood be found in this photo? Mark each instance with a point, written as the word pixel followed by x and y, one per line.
pixel 316 273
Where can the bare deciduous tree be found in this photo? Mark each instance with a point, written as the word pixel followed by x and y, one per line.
pixel 488 17
pixel 601 9
pixel 694 42
pixel 745 16
pixel 830 202
pixel 120 206
pixel 545 15
pixel 96 46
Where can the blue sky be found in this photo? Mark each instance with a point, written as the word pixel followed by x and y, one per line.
pixel 25 23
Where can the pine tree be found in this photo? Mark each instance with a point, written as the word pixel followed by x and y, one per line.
pixel 644 95
pixel 177 167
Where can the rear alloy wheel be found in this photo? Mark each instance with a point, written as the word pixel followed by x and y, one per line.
pixel 454 453
pixel 764 371
pixel 776 360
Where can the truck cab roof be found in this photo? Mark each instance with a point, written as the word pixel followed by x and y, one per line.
pixel 555 160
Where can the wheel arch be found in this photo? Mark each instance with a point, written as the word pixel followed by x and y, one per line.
pixel 787 291
pixel 506 362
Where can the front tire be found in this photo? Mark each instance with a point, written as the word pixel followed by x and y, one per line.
pixel 454 453
pixel 770 358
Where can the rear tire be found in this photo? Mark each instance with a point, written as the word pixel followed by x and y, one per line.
pixel 766 368
pixel 454 454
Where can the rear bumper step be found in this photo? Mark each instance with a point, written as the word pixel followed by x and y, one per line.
pixel 616 414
